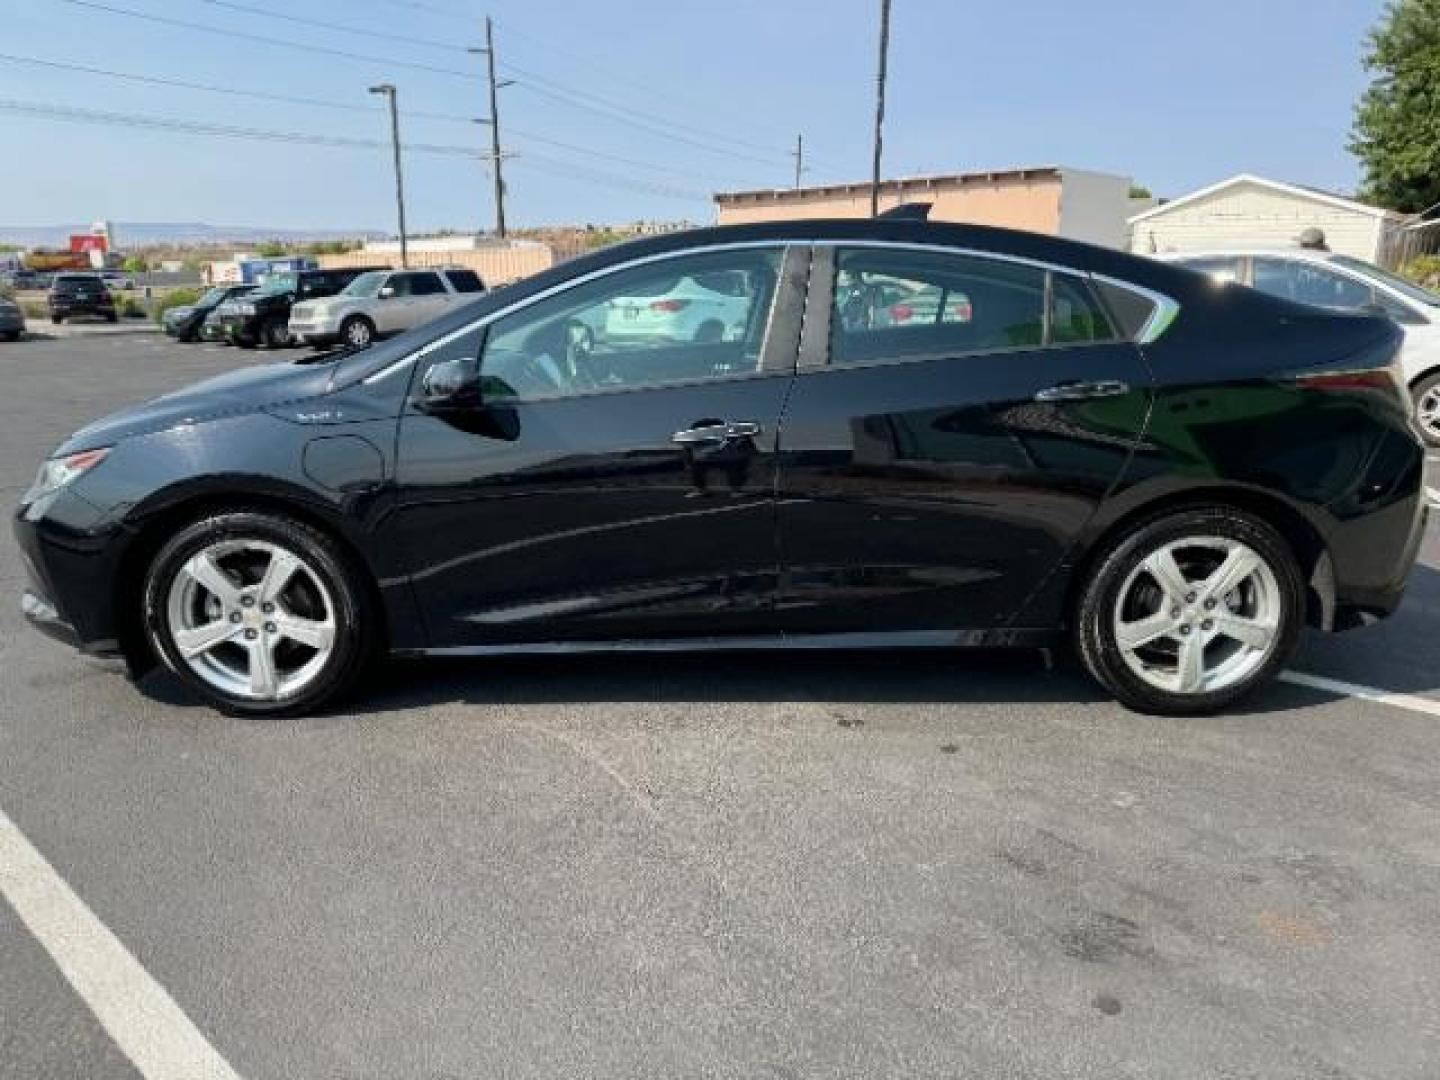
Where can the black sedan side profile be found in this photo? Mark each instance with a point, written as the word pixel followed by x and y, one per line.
pixel 904 433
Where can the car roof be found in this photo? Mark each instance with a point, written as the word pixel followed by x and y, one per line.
pixel 1306 254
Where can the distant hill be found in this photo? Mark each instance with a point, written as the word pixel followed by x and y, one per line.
pixel 129 234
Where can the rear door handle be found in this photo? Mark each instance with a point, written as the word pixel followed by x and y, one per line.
pixel 1083 391
pixel 713 433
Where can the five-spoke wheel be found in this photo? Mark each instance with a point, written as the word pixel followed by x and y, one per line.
pixel 1191 611
pixel 257 612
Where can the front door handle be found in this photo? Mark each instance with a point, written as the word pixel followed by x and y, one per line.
pixel 715 433
pixel 1083 391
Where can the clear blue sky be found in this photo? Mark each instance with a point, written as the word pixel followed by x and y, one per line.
pixel 1176 93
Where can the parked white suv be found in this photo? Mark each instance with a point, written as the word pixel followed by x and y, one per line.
pixel 381 303
pixel 1345 283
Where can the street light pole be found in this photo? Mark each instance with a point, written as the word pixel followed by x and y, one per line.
pixel 388 89
pixel 880 106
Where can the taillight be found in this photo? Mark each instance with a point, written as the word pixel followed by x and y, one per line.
pixel 962 310
pixel 669 307
pixel 901 312
pixel 1367 379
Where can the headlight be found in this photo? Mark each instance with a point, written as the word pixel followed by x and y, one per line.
pixel 57 472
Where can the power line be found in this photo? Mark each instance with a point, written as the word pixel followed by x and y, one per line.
pixel 206 127
pixel 386 61
pixel 651 118
pixel 429 43
pixel 347 106
pixel 216 130
pixel 609 72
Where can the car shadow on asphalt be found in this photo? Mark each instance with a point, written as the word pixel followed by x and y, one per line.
pixel 877 676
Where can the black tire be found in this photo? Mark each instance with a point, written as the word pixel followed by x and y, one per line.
pixel 275 333
pixel 357 332
pixel 709 331
pixel 356 639
pixel 112 317
pixel 1094 629
pixel 1428 386
pixel 10 335
pixel 57 319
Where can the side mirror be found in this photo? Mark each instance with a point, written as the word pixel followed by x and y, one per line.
pixel 449 384
pixel 387 293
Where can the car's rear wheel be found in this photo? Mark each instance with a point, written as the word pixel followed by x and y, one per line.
pixel 57 319
pixel 1426 395
pixel 357 332
pixel 259 614
pixel 10 335
pixel 1191 611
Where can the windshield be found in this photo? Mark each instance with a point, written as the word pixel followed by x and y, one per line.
pixel 280 283
pixel 211 298
pixel 1395 281
pixel 366 285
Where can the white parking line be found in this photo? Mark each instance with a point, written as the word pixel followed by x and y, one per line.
pixel 134 1009
pixel 1433 494
pixel 1412 702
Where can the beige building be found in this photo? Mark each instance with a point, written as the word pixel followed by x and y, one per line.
pixel 1248 211
pixel 1055 200
pixel 498 262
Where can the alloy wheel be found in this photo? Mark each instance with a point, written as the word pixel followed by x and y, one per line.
pixel 357 334
pixel 252 619
pixel 1427 412
pixel 1198 615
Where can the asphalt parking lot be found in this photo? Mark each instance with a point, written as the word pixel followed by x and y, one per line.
pixel 917 865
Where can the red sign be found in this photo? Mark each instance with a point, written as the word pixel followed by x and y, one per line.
pixel 87 242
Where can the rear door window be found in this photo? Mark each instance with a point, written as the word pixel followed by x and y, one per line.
pixel 892 303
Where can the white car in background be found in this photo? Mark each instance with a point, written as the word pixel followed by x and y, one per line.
pixel 702 308
pixel 1344 283
pixel 381 303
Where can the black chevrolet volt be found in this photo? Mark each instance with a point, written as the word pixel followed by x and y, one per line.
pixel 805 434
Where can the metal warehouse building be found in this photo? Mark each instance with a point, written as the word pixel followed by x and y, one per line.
pixel 1055 200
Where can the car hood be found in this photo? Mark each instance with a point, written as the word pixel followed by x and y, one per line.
pixel 175 314
pixel 236 392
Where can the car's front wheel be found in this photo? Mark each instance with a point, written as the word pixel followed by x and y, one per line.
pixel 275 334
pixel 1191 611
pixel 259 614
pixel 1426 395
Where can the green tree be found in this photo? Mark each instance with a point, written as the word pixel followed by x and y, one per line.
pixel 135 265
pixel 1140 191
pixel 1397 124
pixel 272 249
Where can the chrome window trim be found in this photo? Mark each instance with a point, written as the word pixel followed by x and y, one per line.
pixel 783 246
pixel 950 249
pixel 1166 308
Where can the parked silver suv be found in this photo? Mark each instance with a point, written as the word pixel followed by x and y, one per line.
pixel 381 303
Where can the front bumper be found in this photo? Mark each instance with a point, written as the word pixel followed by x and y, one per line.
pixel 70 555
pixel 240 328
pixel 95 309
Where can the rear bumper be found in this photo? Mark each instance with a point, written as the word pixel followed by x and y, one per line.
pixel 1376 539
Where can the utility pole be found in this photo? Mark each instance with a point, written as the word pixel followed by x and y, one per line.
pixel 388 89
pixel 799 156
pixel 880 107
pixel 489 52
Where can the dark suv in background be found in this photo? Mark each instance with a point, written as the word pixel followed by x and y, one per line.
pixel 80 294
pixel 184 323
pixel 263 317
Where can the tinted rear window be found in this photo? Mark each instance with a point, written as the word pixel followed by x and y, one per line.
pixel 465 280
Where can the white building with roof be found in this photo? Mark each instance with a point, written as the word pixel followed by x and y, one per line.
pixel 1248 211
